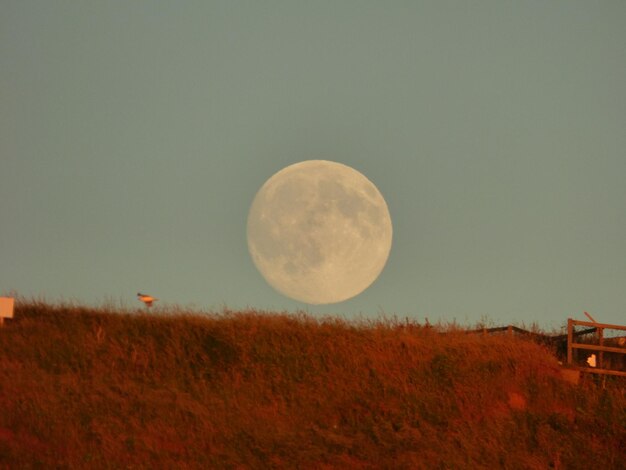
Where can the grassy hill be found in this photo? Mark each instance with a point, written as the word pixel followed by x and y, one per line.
pixel 83 388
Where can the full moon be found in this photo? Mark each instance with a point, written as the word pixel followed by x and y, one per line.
pixel 319 232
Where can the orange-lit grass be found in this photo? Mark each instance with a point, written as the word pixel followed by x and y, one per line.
pixel 96 388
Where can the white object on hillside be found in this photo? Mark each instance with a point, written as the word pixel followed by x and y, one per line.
pixel 6 308
pixel 591 360
pixel 146 299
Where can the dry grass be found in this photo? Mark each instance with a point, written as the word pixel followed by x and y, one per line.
pixel 84 388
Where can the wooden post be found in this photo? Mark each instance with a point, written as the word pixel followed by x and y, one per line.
pixel 590 317
pixel 570 337
pixel 601 340
pixel 509 330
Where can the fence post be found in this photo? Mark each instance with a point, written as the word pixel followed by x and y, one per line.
pixel 601 354
pixel 570 337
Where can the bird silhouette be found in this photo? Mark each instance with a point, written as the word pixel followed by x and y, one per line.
pixel 146 299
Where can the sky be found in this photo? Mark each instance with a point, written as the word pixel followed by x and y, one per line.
pixel 135 135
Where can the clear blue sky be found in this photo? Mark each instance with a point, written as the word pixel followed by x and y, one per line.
pixel 134 136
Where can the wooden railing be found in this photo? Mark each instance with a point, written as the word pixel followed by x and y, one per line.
pixel 569 343
pixel 600 348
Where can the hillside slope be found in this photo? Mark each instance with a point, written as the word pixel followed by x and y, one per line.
pixel 83 388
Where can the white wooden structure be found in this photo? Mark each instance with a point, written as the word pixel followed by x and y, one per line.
pixel 6 308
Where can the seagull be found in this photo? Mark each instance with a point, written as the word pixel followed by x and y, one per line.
pixel 146 299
